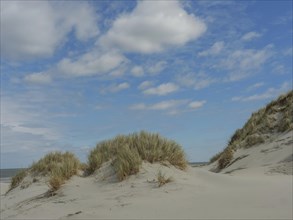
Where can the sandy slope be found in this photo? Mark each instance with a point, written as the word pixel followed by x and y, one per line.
pixel 194 194
pixel 271 158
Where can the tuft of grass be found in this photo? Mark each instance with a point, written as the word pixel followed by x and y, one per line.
pixel 127 162
pixel 17 179
pixel 58 166
pixel 215 157
pixel 254 139
pixel 162 180
pixel 127 152
pixel 225 158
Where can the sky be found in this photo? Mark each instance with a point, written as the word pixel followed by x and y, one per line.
pixel 74 73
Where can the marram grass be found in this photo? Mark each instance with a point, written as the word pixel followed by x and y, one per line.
pixel 275 117
pixel 128 151
pixel 58 166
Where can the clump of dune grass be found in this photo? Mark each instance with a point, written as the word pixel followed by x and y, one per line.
pixel 215 157
pixel 127 162
pixel 254 139
pixel 162 179
pixel 128 151
pixel 58 166
pixel 226 158
pixel 17 179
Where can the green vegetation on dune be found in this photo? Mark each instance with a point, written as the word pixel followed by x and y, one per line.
pixel 276 117
pixel 16 180
pixel 128 151
pixel 58 166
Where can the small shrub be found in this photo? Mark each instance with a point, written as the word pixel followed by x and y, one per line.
pixel 162 180
pixel 17 179
pixel 225 158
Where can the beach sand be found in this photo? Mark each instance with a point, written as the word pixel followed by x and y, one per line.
pixel 194 194
pixel 252 192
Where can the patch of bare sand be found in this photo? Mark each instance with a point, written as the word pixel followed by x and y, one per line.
pixel 194 194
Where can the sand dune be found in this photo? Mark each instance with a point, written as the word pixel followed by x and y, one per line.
pixel 273 157
pixel 194 194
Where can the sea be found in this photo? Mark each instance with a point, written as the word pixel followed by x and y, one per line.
pixel 7 174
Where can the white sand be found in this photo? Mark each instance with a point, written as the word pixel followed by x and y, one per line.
pixel 195 194
pixel 274 157
pixel 255 192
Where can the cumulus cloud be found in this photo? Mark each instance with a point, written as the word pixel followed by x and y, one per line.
pixel 34 29
pixel 38 78
pixel 242 63
pixel 171 107
pixel 24 124
pixel 255 86
pixel 196 104
pixel 145 84
pixel 152 27
pixel 162 89
pixel 250 36
pixel 115 87
pixel 137 71
pixel 195 81
pixel 270 93
pixel 164 105
pixel 91 63
pixel 215 49
pixel 157 67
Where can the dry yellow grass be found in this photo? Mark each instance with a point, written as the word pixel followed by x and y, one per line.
pixel 162 180
pixel 17 179
pixel 226 158
pixel 127 152
pixel 58 166
pixel 275 117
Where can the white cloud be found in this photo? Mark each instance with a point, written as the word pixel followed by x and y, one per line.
pixel 38 78
pixel 145 85
pixel 91 63
pixel 152 27
pixel 171 107
pixel 288 52
pixel 160 106
pixel 245 62
pixel 140 106
pixel 215 49
pixel 137 71
pixel 255 86
pixel 196 104
pixel 34 29
pixel 116 87
pixel 195 81
pixel 162 89
pixel 165 105
pixel 268 94
pixel 25 125
pixel 250 36
pixel 157 67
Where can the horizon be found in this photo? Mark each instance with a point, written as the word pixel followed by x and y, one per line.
pixel 76 73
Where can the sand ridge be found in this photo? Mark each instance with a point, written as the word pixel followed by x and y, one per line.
pixel 193 194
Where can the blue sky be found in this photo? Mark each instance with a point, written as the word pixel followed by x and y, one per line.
pixel 74 73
